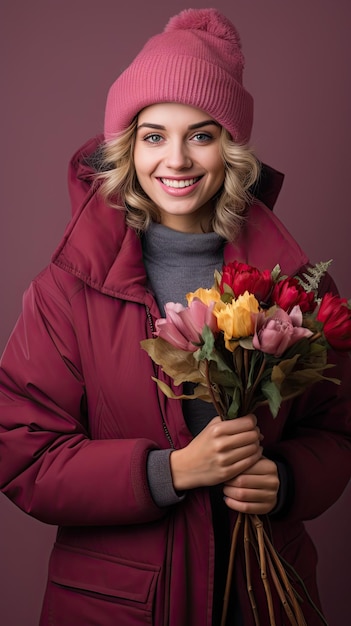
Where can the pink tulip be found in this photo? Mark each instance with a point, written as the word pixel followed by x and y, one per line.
pixel 182 327
pixel 278 332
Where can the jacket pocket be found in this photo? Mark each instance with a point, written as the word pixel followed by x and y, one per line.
pixel 90 589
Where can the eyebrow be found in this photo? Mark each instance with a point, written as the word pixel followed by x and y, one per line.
pixel 191 127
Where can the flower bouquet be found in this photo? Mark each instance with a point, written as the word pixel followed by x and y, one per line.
pixel 254 338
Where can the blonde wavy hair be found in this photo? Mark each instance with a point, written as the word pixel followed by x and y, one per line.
pixel 120 187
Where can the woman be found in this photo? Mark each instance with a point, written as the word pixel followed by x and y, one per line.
pixel 144 490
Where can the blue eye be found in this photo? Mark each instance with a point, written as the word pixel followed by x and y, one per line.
pixel 201 137
pixel 154 138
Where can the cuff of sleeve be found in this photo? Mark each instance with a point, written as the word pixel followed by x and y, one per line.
pixel 160 478
pixel 285 488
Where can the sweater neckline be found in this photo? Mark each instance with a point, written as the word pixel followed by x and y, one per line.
pixel 174 248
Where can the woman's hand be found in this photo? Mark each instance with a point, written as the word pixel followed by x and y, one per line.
pixel 221 451
pixel 255 490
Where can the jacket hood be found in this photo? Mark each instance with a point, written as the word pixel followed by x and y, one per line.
pixel 101 250
pixel 97 246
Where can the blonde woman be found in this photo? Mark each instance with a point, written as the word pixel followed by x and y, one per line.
pixel 145 490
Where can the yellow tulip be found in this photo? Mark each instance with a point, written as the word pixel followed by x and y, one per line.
pixel 237 318
pixel 205 295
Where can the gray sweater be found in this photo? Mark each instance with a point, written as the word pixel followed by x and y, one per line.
pixel 177 263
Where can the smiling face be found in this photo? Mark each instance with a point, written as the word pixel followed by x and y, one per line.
pixel 178 164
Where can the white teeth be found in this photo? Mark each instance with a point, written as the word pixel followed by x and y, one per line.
pixel 178 184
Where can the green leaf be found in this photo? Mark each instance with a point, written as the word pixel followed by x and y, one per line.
pixel 293 382
pixel 238 359
pixel 300 380
pixel 275 273
pixel 228 291
pixel 221 365
pixel 205 352
pixel 246 343
pixel 235 405
pixel 226 378
pixel 317 356
pixel 283 369
pixel 311 279
pixel 302 347
pixel 272 394
pixel 226 298
pixel 209 353
pixel 255 363
pixel 217 279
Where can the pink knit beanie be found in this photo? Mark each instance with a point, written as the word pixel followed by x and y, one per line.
pixel 196 60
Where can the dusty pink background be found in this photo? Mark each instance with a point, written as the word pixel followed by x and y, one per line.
pixel 59 59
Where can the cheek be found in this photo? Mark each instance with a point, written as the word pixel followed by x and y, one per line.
pixel 138 161
pixel 217 167
pixel 218 173
pixel 145 168
pixel 142 160
pixel 141 169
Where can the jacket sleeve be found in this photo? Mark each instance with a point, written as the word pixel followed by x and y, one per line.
pixel 316 444
pixel 316 447
pixel 49 466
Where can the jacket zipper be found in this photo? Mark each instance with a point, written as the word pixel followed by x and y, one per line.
pixel 170 532
pixel 164 425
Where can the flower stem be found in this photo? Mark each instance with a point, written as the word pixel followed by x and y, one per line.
pixel 230 569
pixel 258 526
pixel 249 395
pixel 315 337
pixel 292 608
pixel 215 403
pixel 246 366
pixel 249 586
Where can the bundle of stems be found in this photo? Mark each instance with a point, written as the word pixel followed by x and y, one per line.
pixel 272 569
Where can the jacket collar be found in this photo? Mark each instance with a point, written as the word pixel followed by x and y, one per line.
pixel 101 250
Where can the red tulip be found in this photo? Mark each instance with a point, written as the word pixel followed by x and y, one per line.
pixel 335 314
pixel 288 293
pixel 241 277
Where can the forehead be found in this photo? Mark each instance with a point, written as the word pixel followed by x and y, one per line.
pixel 167 113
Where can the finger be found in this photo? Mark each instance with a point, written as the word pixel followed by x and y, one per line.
pixel 251 479
pixel 234 455
pixel 237 443
pixel 238 425
pixel 249 495
pixel 262 467
pixel 267 483
pixel 243 464
pixel 230 441
pixel 252 508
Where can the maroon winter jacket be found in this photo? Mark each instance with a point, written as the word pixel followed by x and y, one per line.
pixel 79 414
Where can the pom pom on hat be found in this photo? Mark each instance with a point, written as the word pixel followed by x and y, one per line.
pixel 208 20
pixel 197 60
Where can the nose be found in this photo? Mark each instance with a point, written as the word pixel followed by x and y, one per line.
pixel 178 157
